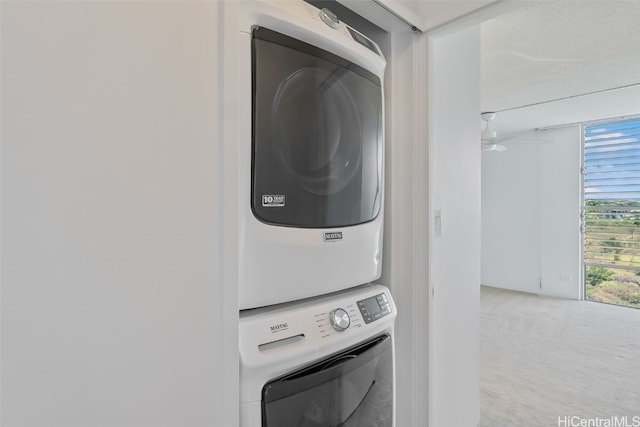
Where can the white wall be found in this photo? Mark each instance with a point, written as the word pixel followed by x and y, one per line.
pixel 454 174
pixel 531 214
pixel 405 264
pixel 511 218
pixel 114 310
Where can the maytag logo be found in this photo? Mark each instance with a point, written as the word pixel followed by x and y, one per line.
pixel 272 200
pixel 333 236
pixel 279 327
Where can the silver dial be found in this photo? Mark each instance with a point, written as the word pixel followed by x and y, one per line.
pixel 340 319
pixel 329 18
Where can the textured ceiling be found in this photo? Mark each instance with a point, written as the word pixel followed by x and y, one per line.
pixel 438 12
pixel 556 49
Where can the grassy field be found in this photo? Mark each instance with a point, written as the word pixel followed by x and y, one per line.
pixel 615 243
pixel 620 287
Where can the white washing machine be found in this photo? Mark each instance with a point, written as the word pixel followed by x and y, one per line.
pixel 311 153
pixel 323 362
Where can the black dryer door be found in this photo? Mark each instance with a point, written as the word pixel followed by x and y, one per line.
pixel 317 136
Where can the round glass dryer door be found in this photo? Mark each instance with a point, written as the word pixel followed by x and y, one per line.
pixel 317 136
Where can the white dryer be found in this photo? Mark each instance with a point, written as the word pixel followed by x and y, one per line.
pixel 311 153
pixel 323 362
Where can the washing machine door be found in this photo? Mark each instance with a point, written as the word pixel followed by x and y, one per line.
pixel 317 136
pixel 353 388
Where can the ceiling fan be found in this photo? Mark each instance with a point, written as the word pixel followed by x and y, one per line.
pixel 488 136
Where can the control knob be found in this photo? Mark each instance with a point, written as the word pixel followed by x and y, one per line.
pixel 329 18
pixel 340 319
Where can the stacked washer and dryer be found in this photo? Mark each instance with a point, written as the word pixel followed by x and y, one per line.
pixel 316 336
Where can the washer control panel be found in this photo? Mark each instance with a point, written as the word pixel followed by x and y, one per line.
pixel 274 339
pixel 374 308
pixel 321 322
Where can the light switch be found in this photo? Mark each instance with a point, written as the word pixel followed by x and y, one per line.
pixel 437 222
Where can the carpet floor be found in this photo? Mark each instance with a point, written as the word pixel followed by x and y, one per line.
pixel 555 362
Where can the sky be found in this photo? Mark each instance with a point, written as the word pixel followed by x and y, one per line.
pixel 612 160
